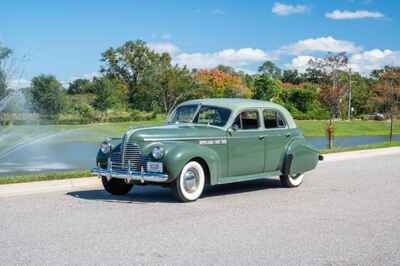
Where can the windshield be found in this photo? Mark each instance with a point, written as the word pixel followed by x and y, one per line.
pixel 208 115
pixel 184 114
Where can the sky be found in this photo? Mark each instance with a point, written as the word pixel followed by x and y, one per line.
pixel 66 38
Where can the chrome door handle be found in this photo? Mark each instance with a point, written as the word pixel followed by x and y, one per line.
pixel 288 135
pixel 261 137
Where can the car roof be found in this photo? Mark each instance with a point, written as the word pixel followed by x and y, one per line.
pixel 234 103
pixel 239 103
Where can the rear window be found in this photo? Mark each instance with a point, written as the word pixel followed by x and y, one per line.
pixel 273 119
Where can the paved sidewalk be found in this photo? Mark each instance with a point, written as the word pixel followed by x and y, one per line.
pixel 48 186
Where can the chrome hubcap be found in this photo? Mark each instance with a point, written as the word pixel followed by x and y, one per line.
pixel 191 180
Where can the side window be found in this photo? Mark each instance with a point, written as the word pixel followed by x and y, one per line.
pixel 273 119
pixel 247 120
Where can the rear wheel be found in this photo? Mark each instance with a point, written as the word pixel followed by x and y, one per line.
pixel 292 180
pixel 190 183
pixel 116 186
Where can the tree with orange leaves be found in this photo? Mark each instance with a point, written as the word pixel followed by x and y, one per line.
pixel 218 83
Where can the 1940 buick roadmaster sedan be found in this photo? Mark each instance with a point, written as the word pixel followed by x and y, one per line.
pixel 208 142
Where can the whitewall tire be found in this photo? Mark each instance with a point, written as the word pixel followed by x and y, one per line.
pixel 292 180
pixel 190 183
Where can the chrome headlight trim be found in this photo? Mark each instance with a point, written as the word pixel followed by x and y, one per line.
pixel 157 152
pixel 105 146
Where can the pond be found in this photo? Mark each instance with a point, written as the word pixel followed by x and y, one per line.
pixel 322 142
pixel 50 156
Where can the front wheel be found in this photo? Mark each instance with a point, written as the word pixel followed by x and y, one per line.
pixel 292 180
pixel 190 183
pixel 116 186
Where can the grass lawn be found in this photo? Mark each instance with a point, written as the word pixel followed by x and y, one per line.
pixel 309 127
pixel 348 128
pixel 362 147
pixel 43 177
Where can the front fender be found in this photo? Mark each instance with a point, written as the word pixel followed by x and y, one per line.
pixel 102 158
pixel 178 154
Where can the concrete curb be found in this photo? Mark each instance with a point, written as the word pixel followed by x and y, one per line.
pixel 94 183
pixel 73 184
pixel 349 155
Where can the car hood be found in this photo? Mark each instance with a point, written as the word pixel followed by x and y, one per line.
pixel 174 132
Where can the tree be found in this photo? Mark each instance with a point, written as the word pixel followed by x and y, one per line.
pixel 292 76
pixel 106 97
pixel 316 76
pixel 3 84
pixel 4 54
pixel 334 87
pixel 361 93
pixel 132 63
pixel 266 88
pixel 217 83
pixel 270 69
pixel 389 90
pixel 227 69
pixel 302 99
pixel 176 85
pixel 47 95
pixel 81 86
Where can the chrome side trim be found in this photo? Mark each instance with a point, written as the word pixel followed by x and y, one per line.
pixel 130 175
pixel 188 138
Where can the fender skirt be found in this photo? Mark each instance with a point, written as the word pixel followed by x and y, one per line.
pixel 287 164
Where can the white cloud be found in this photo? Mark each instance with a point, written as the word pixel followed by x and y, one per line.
pixel 322 44
pixel 359 14
pixel 164 47
pixel 230 57
pixel 218 12
pixel 285 10
pixel 367 61
pixel 301 63
pixel 362 62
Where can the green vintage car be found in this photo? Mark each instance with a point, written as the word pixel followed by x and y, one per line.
pixel 208 142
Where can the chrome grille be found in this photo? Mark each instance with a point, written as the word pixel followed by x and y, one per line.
pixel 116 156
pixel 133 154
pixel 125 152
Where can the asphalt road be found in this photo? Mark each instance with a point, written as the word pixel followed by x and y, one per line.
pixel 346 212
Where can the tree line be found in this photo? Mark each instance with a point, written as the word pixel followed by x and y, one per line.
pixel 135 78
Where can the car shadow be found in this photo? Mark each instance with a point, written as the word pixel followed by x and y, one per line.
pixel 156 194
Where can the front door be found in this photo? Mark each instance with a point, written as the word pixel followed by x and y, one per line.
pixel 246 145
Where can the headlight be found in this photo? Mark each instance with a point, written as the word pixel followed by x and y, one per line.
pixel 158 152
pixel 105 147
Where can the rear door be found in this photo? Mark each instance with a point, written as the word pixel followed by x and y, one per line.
pixel 277 136
pixel 246 144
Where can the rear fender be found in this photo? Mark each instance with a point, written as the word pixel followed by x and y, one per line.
pixel 300 157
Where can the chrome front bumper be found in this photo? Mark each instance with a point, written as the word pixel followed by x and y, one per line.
pixel 129 176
